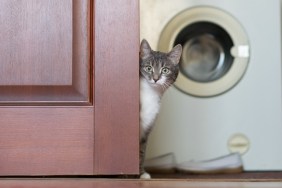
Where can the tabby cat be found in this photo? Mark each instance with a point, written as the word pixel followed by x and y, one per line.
pixel 158 71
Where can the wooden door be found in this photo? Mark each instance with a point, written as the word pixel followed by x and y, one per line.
pixel 64 110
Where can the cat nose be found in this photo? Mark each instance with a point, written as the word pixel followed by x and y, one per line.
pixel 155 78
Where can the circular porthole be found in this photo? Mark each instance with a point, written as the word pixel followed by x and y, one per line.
pixel 215 50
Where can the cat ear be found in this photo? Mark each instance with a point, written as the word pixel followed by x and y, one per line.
pixel 175 54
pixel 145 49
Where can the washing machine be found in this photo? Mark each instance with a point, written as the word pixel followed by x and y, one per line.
pixel 227 97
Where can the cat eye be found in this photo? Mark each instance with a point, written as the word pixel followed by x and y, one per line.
pixel 165 70
pixel 148 69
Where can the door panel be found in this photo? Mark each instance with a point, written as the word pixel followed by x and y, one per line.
pixel 69 92
pixel 46 141
pixel 45 51
pixel 46 112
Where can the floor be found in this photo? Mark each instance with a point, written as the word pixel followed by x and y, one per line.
pixel 245 176
pixel 118 183
pixel 249 180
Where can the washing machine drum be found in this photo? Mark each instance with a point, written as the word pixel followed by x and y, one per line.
pixel 215 50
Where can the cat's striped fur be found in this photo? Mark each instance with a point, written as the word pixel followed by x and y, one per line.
pixel 158 71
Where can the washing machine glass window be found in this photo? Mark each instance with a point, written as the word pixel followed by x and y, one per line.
pixel 206 51
pixel 215 50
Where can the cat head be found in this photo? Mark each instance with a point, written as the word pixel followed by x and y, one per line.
pixel 158 68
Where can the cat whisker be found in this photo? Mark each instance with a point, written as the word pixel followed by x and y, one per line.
pixel 166 84
pixel 164 87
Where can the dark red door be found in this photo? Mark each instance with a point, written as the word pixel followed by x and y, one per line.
pixel 59 112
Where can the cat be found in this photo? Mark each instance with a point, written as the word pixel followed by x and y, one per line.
pixel 158 71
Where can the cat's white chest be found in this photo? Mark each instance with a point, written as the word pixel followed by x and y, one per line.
pixel 150 106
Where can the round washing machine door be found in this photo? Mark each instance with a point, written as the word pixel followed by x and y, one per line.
pixel 215 50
